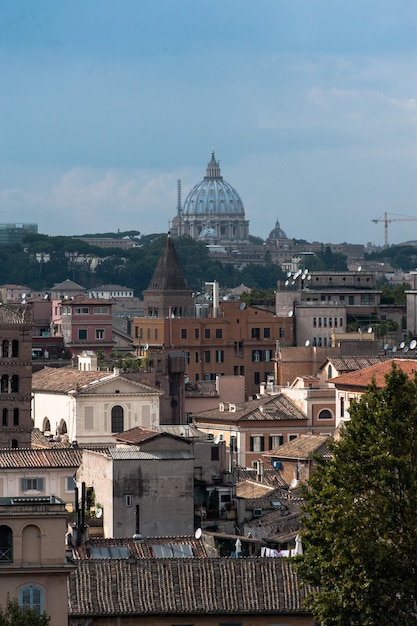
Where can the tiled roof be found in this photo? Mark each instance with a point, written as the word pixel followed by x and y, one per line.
pixel 134 453
pixel 185 586
pixel 137 435
pixel 362 378
pixel 266 408
pixel 269 477
pixel 352 363
pixel 250 489
pixel 304 447
pixel 26 458
pixel 64 379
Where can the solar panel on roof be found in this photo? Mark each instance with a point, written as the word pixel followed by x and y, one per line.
pixel 177 550
pixel 109 552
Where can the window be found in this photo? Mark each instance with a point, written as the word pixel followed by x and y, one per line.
pixel 101 310
pixel 257 443
pixel 342 407
pixel 32 484
pixel 207 333
pixel 183 333
pixel 267 333
pixel 196 333
pixel 197 357
pixel 219 356
pixel 82 310
pixel 6 544
pixel 206 356
pixel 5 348
pixel 281 332
pixel 325 414
pixel 256 378
pixel 256 356
pixel 267 355
pixel 5 417
pixel 31 597
pixel 275 441
pixel 351 299
pixel 314 322
pixel 71 484
pixel 4 384
pixel 82 334
pixel 256 333
pixel 128 500
pixel 219 333
pixel 292 437
pixel 187 357
pixel 15 347
pixel 117 419
pixel 99 333
pixel 15 384
pixel 215 453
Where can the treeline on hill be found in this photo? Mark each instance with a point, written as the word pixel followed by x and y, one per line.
pixel 402 257
pixel 45 260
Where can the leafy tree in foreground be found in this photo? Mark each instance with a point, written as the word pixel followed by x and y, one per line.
pixel 14 615
pixel 360 527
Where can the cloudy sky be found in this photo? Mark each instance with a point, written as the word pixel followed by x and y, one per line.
pixel 310 106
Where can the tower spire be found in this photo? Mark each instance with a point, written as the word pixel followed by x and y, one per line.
pixel 179 197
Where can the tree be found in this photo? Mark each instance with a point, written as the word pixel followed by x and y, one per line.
pixel 14 615
pixel 360 530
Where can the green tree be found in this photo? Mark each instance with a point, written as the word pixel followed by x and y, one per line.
pixel 360 531
pixel 14 615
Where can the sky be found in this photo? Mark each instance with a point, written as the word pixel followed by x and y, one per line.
pixel 309 105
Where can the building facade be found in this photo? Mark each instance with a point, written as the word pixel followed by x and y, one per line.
pixel 15 376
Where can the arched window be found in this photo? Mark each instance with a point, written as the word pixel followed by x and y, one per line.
pixel 5 348
pixel 15 384
pixel 32 597
pixel 5 416
pixel 117 419
pixel 46 425
pixel 15 417
pixel 4 384
pixel 330 372
pixel 325 414
pixel 62 428
pixel 15 347
pixel 6 544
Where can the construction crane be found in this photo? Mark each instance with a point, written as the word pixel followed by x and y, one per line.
pixel 387 220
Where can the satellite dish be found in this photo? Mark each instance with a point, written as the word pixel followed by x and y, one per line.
pixel 370 329
pixel 309 277
pixel 99 512
pixel 287 282
pixel 307 343
pixel 242 306
pixel 146 346
pixel 290 313
pixel 405 348
pixel 360 268
pixel 197 533
pixel 402 344
pixel 413 344
pixel 386 346
pixel 216 439
pixel 293 483
pixel 288 274
pixel 394 348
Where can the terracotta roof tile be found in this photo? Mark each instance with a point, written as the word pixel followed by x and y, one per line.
pixel 185 586
pixel 48 458
pixel 266 408
pixel 304 447
pixel 64 379
pixel 362 378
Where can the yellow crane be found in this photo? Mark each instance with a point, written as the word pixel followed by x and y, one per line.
pixel 387 220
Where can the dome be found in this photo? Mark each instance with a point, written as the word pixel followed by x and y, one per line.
pixel 208 233
pixel 213 195
pixel 277 232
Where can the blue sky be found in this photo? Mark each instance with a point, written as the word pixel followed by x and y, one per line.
pixel 310 106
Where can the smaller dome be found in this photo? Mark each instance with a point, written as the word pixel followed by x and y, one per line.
pixel 277 232
pixel 208 233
